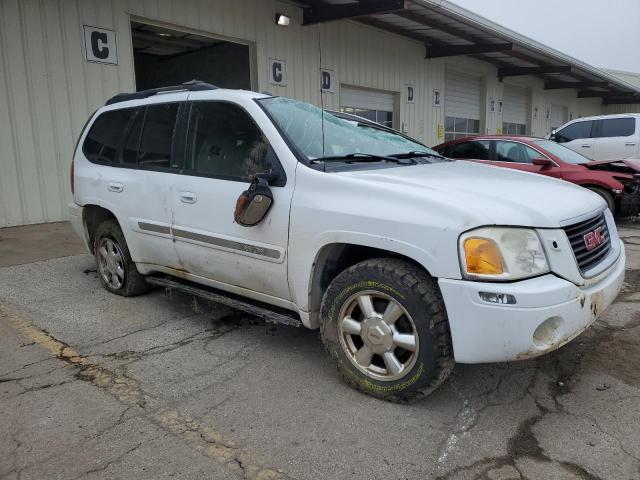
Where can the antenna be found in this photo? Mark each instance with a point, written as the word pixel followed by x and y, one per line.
pixel 321 94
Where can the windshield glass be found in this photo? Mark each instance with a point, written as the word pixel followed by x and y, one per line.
pixel 302 124
pixel 563 153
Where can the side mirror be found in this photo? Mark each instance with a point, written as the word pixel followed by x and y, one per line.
pixel 545 163
pixel 254 203
pixel 552 135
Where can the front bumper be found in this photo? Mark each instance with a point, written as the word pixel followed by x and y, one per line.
pixel 629 200
pixel 549 312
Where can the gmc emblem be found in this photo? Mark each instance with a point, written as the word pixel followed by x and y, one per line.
pixel 594 239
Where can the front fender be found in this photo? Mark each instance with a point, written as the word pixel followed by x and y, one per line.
pixel 303 264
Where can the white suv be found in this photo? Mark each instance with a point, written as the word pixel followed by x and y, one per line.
pixel 405 260
pixel 605 137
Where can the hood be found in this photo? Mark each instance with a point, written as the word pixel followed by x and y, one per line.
pixel 627 165
pixel 472 194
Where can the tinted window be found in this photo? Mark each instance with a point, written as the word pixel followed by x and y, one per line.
pixel 104 141
pixel 157 136
pixel 574 131
pixel 130 151
pixel 515 152
pixel 478 150
pixel 617 127
pixel 224 141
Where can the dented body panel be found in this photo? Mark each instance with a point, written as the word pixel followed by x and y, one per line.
pixel 484 332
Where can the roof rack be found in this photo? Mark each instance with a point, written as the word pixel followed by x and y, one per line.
pixel 191 86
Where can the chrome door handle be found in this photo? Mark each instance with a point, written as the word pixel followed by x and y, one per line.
pixel 586 146
pixel 188 197
pixel 115 187
pixel 629 144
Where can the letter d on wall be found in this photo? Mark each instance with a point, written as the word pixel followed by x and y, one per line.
pixel 100 45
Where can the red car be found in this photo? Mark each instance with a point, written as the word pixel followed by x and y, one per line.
pixel 617 181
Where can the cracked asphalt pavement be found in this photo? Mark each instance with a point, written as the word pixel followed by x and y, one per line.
pixel 97 386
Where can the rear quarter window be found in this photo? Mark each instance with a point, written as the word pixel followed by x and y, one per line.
pixel 617 127
pixel 104 142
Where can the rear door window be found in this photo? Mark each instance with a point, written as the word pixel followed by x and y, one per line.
pixel 515 152
pixel 104 142
pixel 157 137
pixel 575 131
pixel 616 127
pixel 475 150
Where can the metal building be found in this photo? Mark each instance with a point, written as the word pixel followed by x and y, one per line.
pixel 426 67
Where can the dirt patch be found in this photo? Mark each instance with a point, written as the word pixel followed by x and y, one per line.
pixel 631 282
pixel 619 356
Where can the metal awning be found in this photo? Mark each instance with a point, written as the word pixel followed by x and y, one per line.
pixel 449 30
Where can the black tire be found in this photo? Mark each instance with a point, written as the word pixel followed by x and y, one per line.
pixel 417 293
pixel 606 196
pixel 132 282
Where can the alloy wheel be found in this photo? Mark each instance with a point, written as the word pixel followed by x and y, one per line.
pixel 378 335
pixel 111 263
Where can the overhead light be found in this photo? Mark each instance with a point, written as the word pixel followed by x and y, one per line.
pixel 162 34
pixel 282 20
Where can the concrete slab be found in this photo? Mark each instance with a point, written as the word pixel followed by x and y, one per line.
pixel 33 243
pixel 165 387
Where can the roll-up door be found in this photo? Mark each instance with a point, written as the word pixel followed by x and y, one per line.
pixel 558 116
pixel 515 110
pixel 375 105
pixel 462 105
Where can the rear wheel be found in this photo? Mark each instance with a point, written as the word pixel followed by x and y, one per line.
pixel 117 270
pixel 383 323
pixel 606 196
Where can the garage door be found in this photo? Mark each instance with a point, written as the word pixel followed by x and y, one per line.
pixel 558 116
pixel 515 110
pixel 461 105
pixel 375 105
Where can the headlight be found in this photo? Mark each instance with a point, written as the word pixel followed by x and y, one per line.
pixel 496 253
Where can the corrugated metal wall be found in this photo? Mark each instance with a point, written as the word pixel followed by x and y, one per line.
pixel 48 89
pixel 633 108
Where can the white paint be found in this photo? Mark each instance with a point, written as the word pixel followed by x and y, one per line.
pixel 606 148
pixel 379 208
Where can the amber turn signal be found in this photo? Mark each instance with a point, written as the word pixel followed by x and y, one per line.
pixel 482 256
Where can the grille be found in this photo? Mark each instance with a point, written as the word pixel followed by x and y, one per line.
pixel 587 259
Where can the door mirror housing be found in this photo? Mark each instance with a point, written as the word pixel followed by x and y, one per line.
pixel 552 135
pixel 254 203
pixel 545 163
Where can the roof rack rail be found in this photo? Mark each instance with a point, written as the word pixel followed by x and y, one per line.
pixel 191 86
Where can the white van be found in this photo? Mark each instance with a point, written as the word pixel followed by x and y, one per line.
pixel 604 137
pixel 407 261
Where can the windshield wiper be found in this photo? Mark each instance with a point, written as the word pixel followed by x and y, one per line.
pixel 415 154
pixel 357 157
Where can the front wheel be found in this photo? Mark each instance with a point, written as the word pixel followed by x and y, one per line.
pixel 383 322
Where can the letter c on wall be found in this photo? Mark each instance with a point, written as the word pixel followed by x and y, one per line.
pixel 99 45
